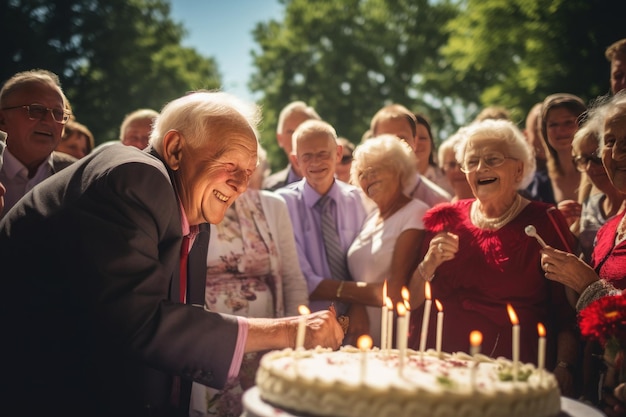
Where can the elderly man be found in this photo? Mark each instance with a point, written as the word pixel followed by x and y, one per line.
pixel 106 332
pixel 322 259
pixel 33 112
pixel 291 116
pixel 136 127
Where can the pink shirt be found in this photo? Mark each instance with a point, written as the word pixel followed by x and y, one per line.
pixel 242 334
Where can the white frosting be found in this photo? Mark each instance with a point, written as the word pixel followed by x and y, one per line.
pixel 325 383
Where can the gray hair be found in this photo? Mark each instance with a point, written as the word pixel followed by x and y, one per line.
pixel 510 135
pixel 203 116
pixel 452 143
pixel 389 151
pixel 616 105
pixel 295 107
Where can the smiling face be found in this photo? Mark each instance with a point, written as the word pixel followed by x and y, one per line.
pixel 32 141
pixel 489 183
pixel 593 167
pixel 207 187
pixel 137 133
pixel 561 125
pixel 614 150
pixel 380 182
pixel 317 155
pixel 423 147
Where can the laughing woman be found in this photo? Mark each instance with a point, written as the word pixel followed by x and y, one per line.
pixel 479 259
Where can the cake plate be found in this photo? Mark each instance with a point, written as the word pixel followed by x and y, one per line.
pixel 254 406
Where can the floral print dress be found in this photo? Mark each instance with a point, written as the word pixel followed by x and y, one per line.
pixel 241 280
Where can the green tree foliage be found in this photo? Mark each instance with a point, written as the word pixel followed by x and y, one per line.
pixel 347 59
pixel 113 56
pixel 447 59
pixel 516 52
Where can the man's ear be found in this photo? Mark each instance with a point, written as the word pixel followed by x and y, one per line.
pixel 173 144
pixel 294 161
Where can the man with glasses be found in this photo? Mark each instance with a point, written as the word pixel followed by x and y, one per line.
pixel 33 112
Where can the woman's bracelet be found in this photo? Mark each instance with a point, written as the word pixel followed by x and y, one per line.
pixel 339 289
pixel 422 272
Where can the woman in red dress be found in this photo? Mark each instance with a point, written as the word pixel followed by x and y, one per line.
pixel 479 259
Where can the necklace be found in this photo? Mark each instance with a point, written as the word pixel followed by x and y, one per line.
pixel 479 220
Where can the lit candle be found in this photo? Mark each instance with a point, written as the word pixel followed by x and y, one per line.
pixel 401 340
pixel 304 311
pixel 439 326
pixel 389 305
pixel 364 343
pixel 427 305
pixel 407 305
pixel 541 359
pixel 515 323
pixel 476 338
pixel 383 320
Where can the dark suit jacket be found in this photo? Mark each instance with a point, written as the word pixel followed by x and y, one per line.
pixel 88 262
pixel 278 179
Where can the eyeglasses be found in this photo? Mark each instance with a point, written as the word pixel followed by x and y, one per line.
pixel 346 159
pixel 39 112
pixel 582 162
pixel 492 160
pixel 309 157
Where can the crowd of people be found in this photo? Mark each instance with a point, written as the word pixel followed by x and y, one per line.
pixel 147 275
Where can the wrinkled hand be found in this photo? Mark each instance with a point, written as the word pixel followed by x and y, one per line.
pixel 567 269
pixel 323 329
pixel 441 248
pixel 571 210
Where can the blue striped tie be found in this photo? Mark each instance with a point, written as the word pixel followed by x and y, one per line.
pixel 334 254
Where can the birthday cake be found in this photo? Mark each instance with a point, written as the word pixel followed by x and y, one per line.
pixel 351 383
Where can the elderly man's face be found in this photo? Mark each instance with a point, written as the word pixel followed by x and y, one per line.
pixel 137 133
pixel 208 187
pixel 32 141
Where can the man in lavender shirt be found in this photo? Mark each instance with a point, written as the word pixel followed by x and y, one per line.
pixel 316 153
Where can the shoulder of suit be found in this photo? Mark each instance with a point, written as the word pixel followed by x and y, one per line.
pixel 62 160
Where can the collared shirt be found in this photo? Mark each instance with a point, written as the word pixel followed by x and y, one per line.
pixel 306 219
pixel 427 191
pixel 242 334
pixel 292 176
pixel 14 177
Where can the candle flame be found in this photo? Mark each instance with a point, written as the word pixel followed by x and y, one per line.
pixel 476 338
pixel 427 290
pixel 302 309
pixel 401 309
pixel 405 293
pixel 512 314
pixel 388 303
pixel 541 330
pixel 385 293
pixel 439 305
pixel 407 305
pixel 364 342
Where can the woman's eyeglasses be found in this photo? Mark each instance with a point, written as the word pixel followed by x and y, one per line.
pixel 582 162
pixel 39 112
pixel 492 160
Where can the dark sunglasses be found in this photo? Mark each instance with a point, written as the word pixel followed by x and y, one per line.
pixel 346 159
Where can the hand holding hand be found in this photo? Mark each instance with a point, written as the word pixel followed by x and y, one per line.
pixel 323 329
